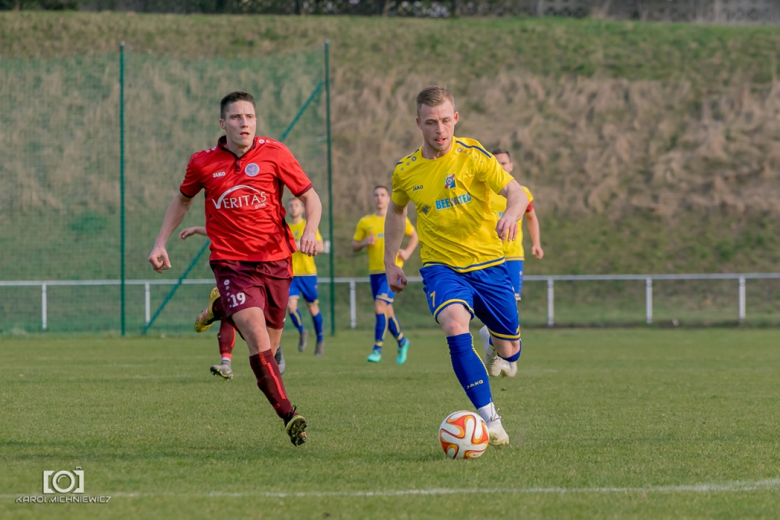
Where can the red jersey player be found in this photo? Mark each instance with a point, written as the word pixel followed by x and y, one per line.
pixel 251 246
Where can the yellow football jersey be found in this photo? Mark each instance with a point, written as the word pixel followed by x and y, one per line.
pixel 512 250
pixel 373 224
pixel 452 194
pixel 302 265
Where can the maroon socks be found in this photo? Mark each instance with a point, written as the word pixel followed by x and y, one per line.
pixel 269 381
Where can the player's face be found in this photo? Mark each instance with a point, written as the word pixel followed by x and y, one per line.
pixel 381 198
pixel 296 208
pixel 438 125
pixel 504 160
pixel 240 123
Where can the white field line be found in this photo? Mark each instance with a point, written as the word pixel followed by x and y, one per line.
pixel 729 487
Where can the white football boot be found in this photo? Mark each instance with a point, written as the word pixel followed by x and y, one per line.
pixel 492 361
pixel 508 368
pixel 497 434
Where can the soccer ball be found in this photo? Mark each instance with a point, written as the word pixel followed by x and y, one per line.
pixel 463 435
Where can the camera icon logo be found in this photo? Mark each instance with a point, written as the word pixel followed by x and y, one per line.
pixel 63 481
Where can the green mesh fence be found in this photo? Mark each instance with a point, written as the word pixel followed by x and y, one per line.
pixel 60 143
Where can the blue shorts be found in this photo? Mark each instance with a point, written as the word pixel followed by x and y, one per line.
pixel 306 287
pixel 380 290
pixel 487 293
pixel 516 275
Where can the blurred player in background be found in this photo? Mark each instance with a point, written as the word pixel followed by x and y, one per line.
pixel 304 283
pixel 226 338
pixel 451 182
pixel 370 233
pixel 244 177
pixel 514 251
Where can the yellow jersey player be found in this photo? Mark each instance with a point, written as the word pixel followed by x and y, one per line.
pixel 451 182
pixel 370 233
pixel 304 282
pixel 514 251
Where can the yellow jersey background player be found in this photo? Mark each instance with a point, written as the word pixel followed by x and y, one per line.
pixel 304 282
pixel 514 251
pixel 370 233
pixel 451 182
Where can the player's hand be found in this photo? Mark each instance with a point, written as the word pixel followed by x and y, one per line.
pixel 404 255
pixel 370 240
pixel 507 229
pixel 308 243
pixel 395 278
pixel 159 259
pixel 538 252
pixel 187 232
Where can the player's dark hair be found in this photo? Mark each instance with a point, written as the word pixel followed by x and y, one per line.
pixel 380 187
pixel 501 150
pixel 433 97
pixel 232 98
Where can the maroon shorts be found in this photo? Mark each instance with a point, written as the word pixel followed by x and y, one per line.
pixel 254 284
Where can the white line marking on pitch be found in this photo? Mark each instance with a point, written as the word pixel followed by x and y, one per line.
pixel 730 487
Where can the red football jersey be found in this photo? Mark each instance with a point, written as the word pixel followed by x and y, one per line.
pixel 244 208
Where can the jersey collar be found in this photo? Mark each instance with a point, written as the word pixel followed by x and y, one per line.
pixel 222 145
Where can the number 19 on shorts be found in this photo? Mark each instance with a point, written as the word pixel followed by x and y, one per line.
pixel 237 299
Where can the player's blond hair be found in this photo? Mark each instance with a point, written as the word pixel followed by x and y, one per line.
pixel 433 97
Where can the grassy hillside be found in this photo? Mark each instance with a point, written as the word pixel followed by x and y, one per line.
pixel 649 147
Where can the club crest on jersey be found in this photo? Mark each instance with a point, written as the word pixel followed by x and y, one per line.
pixel 252 169
pixel 449 181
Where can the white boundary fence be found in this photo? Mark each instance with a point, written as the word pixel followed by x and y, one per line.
pixel 648 278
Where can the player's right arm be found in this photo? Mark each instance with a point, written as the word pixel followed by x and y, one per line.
pixel 174 216
pixel 195 230
pixel 395 229
pixel 362 238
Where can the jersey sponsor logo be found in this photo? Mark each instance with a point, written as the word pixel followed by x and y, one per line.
pixel 418 187
pixel 449 181
pixel 252 169
pixel 455 201
pixel 219 174
pixel 256 199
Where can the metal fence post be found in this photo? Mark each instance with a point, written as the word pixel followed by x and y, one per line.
pixel 550 302
pixel 44 317
pixel 649 301
pixel 352 305
pixel 742 302
pixel 122 293
pixel 147 303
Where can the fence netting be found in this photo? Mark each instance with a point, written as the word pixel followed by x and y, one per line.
pixel 60 143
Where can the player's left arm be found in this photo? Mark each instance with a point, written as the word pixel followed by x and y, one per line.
pixel 195 230
pixel 516 203
pixel 313 207
pixel 394 235
pixel 293 176
pixel 536 238
pixel 320 243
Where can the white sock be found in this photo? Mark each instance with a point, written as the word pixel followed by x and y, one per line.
pixel 488 413
pixel 225 361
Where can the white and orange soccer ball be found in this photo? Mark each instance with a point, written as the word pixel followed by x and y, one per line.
pixel 464 435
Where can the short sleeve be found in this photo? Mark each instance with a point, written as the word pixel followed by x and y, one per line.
pixel 291 173
pixel 400 198
pixel 318 237
pixel 409 231
pixel 491 171
pixel 191 185
pixel 360 231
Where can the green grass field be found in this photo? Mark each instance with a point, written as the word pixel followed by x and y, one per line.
pixel 686 420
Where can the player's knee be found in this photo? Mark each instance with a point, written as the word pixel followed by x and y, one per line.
pixel 380 306
pixel 454 320
pixel 314 309
pixel 292 306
